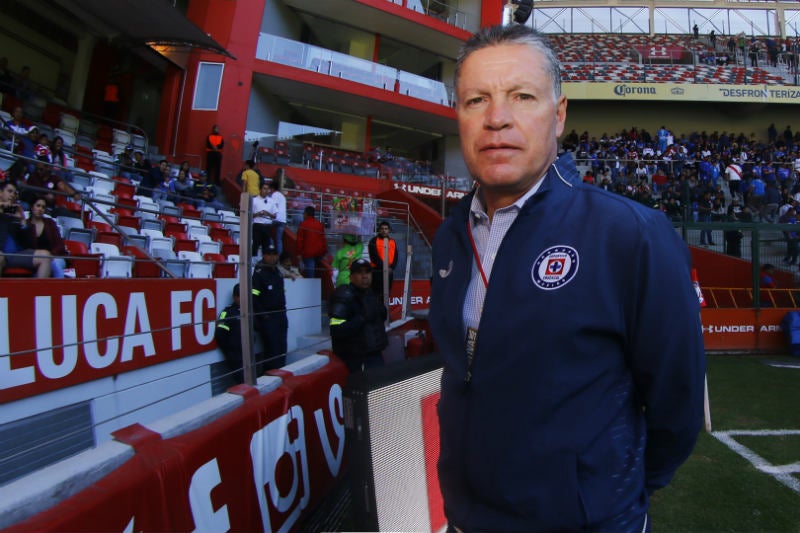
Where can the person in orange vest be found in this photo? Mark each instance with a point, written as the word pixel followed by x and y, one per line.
pixel 376 258
pixel 214 145
pixel 111 99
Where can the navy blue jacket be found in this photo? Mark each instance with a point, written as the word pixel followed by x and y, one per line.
pixel 587 381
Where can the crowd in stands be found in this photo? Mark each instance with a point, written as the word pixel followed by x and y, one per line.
pixel 107 198
pixel 735 59
pixel 697 176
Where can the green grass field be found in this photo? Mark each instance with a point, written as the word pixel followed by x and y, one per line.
pixel 719 489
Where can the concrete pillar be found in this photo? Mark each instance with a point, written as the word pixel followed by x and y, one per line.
pixel 80 71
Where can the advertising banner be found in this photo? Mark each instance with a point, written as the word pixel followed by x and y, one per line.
pixel 682 92
pixel 262 467
pixel 745 330
pixel 62 333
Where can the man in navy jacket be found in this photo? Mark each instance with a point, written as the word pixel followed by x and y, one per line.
pixel 566 317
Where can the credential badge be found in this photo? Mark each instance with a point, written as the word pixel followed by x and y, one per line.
pixel 555 267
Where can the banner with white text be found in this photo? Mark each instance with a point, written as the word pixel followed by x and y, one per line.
pixel 62 333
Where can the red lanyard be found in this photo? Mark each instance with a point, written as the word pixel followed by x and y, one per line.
pixel 477 256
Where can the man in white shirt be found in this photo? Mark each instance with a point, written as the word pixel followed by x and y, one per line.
pixel 262 222
pixel 276 209
pixel 733 173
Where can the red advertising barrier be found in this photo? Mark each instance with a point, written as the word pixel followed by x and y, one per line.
pixel 62 333
pixel 745 330
pixel 420 297
pixel 261 467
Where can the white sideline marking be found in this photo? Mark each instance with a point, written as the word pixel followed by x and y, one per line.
pixel 783 473
pixel 783 365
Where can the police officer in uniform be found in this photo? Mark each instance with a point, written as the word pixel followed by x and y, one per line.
pixel 357 317
pixel 269 304
pixel 228 334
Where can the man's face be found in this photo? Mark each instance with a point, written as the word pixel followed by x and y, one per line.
pixel 508 118
pixel 264 191
pixel 361 278
pixel 8 195
pixel 384 231
pixel 163 166
pixel 270 258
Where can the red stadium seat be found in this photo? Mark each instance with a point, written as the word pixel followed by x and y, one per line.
pixel 109 237
pixel 222 268
pixel 86 265
pixel 18 272
pixel 143 266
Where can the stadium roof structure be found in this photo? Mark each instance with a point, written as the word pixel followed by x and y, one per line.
pixel 142 22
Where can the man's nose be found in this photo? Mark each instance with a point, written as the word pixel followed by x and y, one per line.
pixel 498 115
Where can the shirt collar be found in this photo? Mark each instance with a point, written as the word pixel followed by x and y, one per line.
pixel 478 209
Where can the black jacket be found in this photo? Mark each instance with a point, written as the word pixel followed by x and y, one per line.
pixel 269 295
pixel 357 323
pixel 228 334
pixel 10 227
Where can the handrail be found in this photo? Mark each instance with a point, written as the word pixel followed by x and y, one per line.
pixel 718 297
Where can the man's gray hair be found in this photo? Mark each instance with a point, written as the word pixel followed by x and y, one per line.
pixel 512 34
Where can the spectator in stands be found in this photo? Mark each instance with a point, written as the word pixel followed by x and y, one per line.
pixel 772 133
pixel 754 53
pixel 766 280
pixel 13 252
pixel 185 166
pixel 228 334
pixel 42 150
pixel 733 238
pixel 57 154
pixel 733 173
pixel 125 164
pixel 141 165
pixel 696 31
pixel 154 178
pixel 792 245
pixel 512 249
pixel 772 202
pixel 24 84
pixel 287 268
pixel 251 181
pixel 26 147
pixel 165 190
pixel 6 78
pixel 352 249
pixel 18 125
pixel 262 223
pixel 741 42
pixel 41 182
pixel 41 232
pixel 184 188
pixel 214 145
pixel 357 320
pixel 269 303
pixel 379 246
pixel 276 210
pixel 311 244
pixel 387 156
pixel 205 193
